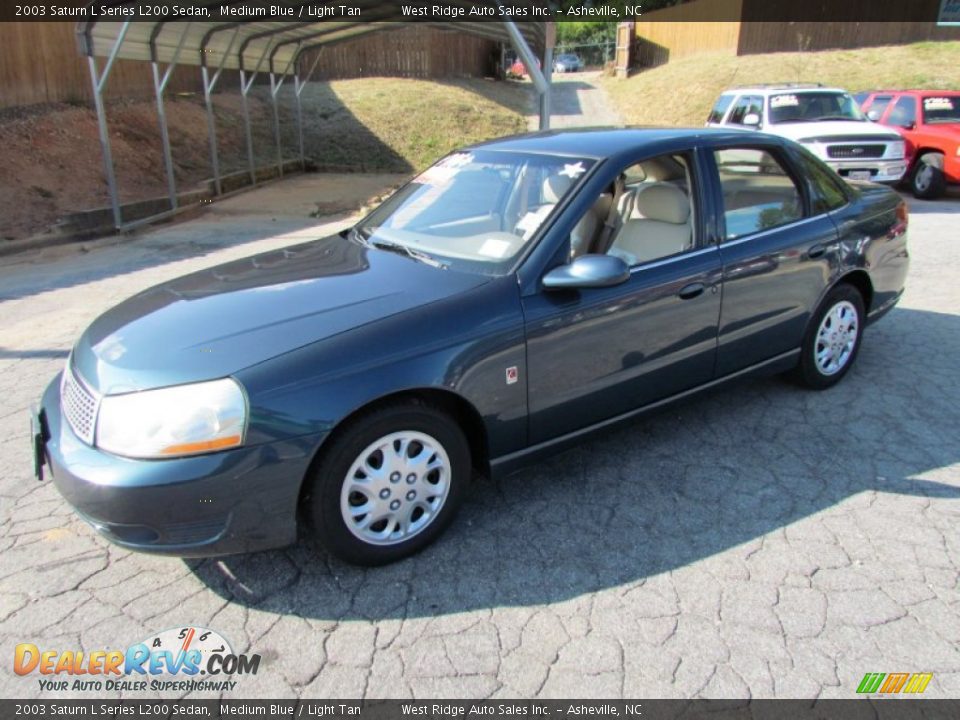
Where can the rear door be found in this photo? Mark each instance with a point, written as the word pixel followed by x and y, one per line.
pixel 776 250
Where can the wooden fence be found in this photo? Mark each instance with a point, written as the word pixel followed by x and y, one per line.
pixel 39 62
pixel 752 27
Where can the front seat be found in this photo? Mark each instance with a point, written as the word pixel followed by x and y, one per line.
pixel 554 187
pixel 664 228
pixel 585 231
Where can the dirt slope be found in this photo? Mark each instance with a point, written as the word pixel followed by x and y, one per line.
pixel 52 164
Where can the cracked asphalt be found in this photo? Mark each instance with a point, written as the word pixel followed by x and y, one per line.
pixel 759 541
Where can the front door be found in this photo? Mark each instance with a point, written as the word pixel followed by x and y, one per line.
pixel 596 353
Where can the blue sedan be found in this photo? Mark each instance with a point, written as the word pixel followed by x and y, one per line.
pixel 513 298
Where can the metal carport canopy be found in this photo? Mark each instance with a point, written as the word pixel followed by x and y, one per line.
pixel 252 47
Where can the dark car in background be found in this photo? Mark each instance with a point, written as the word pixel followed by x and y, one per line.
pixel 513 298
pixel 929 120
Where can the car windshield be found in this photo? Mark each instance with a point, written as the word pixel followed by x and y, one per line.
pixel 473 210
pixel 791 107
pixel 941 110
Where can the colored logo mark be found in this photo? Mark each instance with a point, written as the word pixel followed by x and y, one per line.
pixel 890 683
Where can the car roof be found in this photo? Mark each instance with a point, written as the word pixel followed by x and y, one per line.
pixel 607 142
pixel 936 93
pixel 777 89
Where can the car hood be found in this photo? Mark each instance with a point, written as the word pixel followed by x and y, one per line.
pixel 836 130
pixel 215 322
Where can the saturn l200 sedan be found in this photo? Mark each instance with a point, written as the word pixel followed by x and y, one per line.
pixel 511 299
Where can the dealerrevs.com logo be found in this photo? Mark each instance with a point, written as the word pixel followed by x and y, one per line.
pixel 181 659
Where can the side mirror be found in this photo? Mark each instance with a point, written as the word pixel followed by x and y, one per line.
pixel 752 119
pixel 909 126
pixel 873 115
pixel 588 271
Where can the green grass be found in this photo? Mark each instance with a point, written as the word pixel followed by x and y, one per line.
pixel 406 125
pixel 682 92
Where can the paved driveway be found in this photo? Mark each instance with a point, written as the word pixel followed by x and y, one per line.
pixel 760 541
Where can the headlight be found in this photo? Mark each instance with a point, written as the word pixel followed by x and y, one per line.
pixel 958 151
pixel 897 149
pixel 173 421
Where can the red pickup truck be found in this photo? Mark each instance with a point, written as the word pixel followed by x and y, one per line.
pixel 929 120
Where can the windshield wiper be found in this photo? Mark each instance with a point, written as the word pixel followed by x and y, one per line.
pixel 838 117
pixel 391 246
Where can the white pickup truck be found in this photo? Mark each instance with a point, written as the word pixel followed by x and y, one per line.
pixel 827 121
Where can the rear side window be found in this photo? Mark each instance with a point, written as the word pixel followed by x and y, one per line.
pixel 827 193
pixel 758 193
pixel 745 105
pixel 720 109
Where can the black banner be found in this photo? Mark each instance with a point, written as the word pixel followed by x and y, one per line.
pixel 223 11
pixel 853 709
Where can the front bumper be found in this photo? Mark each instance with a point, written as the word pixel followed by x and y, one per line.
pixel 235 501
pixel 880 171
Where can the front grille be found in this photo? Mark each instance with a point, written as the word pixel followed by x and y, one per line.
pixel 855 152
pixel 79 405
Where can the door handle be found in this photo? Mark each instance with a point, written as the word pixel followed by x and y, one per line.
pixel 691 291
pixel 816 251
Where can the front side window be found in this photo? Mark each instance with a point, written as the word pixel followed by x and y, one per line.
pixel 656 211
pixel 475 210
pixel 878 106
pixel 758 193
pixel 720 109
pixel 746 105
pixel 941 110
pixel 904 113
pixel 787 107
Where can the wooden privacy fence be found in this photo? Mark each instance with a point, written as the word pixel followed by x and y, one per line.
pixel 746 27
pixel 39 63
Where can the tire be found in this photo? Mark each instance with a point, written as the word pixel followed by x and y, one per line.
pixel 927 180
pixel 828 352
pixel 426 466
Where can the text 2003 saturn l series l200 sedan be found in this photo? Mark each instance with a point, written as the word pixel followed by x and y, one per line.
pixel 513 297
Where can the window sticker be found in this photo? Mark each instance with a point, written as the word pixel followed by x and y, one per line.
pixel 442 173
pixel 778 101
pixel 529 223
pixel 494 248
pixel 938 103
pixel 573 170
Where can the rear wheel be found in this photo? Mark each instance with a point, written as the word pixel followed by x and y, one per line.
pixel 928 181
pixel 833 339
pixel 389 484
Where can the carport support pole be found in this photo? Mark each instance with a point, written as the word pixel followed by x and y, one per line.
pixel 158 88
pixel 211 127
pixel 540 81
pixel 99 82
pixel 299 85
pixel 274 89
pixel 208 86
pixel 244 88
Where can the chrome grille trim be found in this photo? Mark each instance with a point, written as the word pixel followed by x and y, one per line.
pixel 79 405
pixel 856 152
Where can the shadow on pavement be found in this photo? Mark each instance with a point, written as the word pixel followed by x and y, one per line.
pixel 698 479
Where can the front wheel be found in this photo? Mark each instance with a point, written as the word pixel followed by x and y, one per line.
pixel 389 484
pixel 833 339
pixel 928 181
